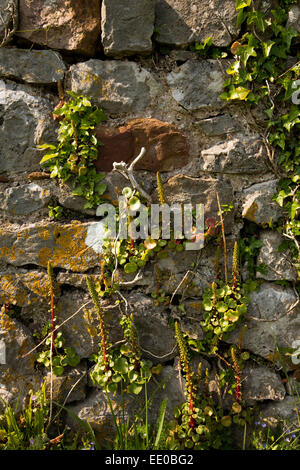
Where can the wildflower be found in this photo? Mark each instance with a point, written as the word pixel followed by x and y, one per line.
pixel 92 446
pixel 287 439
pixel 31 442
pixel 293 436
pixel 256 423
pixel 264 445
pixel 263 425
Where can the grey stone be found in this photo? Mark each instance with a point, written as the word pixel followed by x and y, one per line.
pixel 186 189
pixel 239 155
pixel 156 338
pixel 24 288
pixel 272 320
pixel 182 22
pixel 82 331
pixel 197 84
pixel 69 387
pixel 293 386
pixel 166 386
pixel 9 15
pixel 279 264
pixel 25 123
pixel 42 67
pixel 294 17
pixel 127 27
pixel 17 375
pixel 285 410
pixel 219 125
pixel 96 411
pixel 260 384
pixel 258 205
pixel 115 85
pixel 76 246
pixel 23 200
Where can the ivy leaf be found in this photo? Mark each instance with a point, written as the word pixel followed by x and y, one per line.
pixel 48 156
pixel 245 52
pixel 243 4
pixel 267 46
pixel 293 209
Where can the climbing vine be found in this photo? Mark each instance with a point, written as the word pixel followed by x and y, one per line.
pixel 265 75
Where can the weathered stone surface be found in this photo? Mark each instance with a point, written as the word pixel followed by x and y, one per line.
pixel 272 320
pixel 23 200
pixel 239 155
pixel 260 384
pixel 219 125
pixel 155 336
pixel 127 26
pixel 25 122
pixel 9 10
pixel 24 288
pixel 42 67
pixel 181 22
pixel 117 86
pixel 17 375
pixel 96 411
pixel 69 387
pixel 197 84
pixel 170 388
pixel 283 410
pixel 278 263
pixel 166 147
pixel 258 206
pixel 185 189
pixel 72 246
pixel 67 25
pixel 294 18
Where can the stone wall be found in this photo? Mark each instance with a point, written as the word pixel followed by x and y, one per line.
pixel 133 59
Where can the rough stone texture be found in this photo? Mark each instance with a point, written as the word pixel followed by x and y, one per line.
pixel 23 200
pixel 239 155
pixel 258 206
pixel 283 410
pixel 294 18
pixel 181 22
pixel 65 24
pixel 155 336
pixel 63 245
pixel 42 67
pixel 127 26
pixel 117 86
pixel 23 288
pixel 219 125
pixel 278 263
pixel 197 84
pixel 272 319
pixel 8 10
pixel 260 384
pixel 166 147
pixel 96 411
pixel 17 375
pixel 69 387
pixel 25 122
pixel 185 189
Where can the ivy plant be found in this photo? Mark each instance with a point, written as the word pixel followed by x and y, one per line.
pixel 74 156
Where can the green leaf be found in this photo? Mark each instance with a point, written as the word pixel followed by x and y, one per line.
pixel 101 188
pixel 242 4
pixel 267 46
pixel 48 156
pixel 130 268
pixel 135 388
